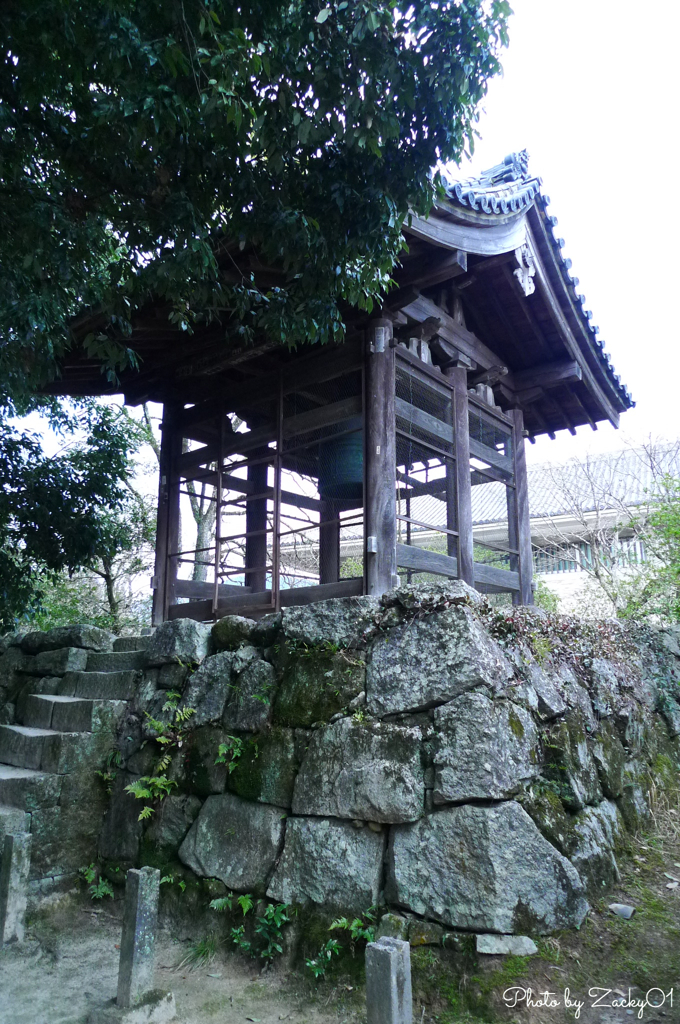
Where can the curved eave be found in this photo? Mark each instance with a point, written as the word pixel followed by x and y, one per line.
pixel 573 305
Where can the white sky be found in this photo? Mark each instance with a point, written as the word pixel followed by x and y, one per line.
pixel 590 89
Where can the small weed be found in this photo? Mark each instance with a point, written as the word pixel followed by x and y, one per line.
pixel 230 752
pixel 97 886
pixel 267 933
pixel 359 928
pixel 201 954
pixel 108 772
pixel 319 964
pixel 170 736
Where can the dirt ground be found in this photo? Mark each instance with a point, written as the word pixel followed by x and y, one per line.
pixel 68 967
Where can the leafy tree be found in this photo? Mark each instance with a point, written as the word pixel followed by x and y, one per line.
pixel 60 513
pixel 164 147
pixel 655 590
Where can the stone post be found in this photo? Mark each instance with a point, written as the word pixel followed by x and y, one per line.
pixel 388 982
pixel 16 860
pixel 135 972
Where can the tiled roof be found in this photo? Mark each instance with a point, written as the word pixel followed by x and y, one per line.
pixel 509 188
pixel 617 479
pixel 505 188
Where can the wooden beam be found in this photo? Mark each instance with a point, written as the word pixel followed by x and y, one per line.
pixel 427 273
pixel 329 544
pixel 490 579
pixel 450 332
pixel 380 461
pixel 167 522
pixel 316 368
pixel 545 375
pixel 461 432
pixel 525 595
pixel 324 416
pixel 423 421
pixel 491 457
pixel 421 560
pixel 199 590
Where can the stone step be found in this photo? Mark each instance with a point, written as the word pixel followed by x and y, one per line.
pixel 12 821
pixel 100 685
pixel 64 714
pixel 29 790
pixel 42 749
pixel 115 661
pixel 132 643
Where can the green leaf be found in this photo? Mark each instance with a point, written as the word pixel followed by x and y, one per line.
pixel 323 15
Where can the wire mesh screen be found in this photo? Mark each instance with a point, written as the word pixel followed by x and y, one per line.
pixel 426 471
pixel 322 483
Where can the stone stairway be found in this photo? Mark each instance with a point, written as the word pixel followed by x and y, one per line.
pixel 65 727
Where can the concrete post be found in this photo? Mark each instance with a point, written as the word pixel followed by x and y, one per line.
pixel 16 860
pixel 135 971
pixel 388 982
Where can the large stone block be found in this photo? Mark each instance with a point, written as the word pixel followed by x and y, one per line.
pixel 250 697
pixel 342 621
pixel 599 831
pixel 231 632
pixel 57 662
pixel 13 664
pixel 553 821
pixel 234 840
pixel 202 774
pixel 604 687
pixel 179 641
pixel 549 700
pixel 569 763
pixel 429 661
pixel 317 683
pixel 329 863
pixel 483 868
pixel 208 689
pixel 172 821
pixel 267 766
pixel 90 637
pixel 121 829
pixel 610 759
pixel 485 749
pixel 28 789
pixel 634 802
pixel 370 771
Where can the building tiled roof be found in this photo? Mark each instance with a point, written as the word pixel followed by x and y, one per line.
pixel 509 188
pixel 623 478
pixel 505 188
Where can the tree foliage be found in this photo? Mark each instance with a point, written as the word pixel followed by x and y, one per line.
pixel 655 590
pixel 59 513
pixel 141 139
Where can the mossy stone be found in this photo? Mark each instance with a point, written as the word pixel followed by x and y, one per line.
pixel 230 632
pixel 316 684
pixel 266 769
pixel 610 758
pixel 545 807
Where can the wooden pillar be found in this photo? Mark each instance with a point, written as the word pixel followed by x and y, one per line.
pixel 380 530
pixel 329 544
pixel 167 522
pixel 256 522
pixel 523 543
pixel 461 433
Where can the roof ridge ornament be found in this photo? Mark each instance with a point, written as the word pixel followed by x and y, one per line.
pixel 514 167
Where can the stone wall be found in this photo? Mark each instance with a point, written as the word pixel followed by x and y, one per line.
pixel 464 768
